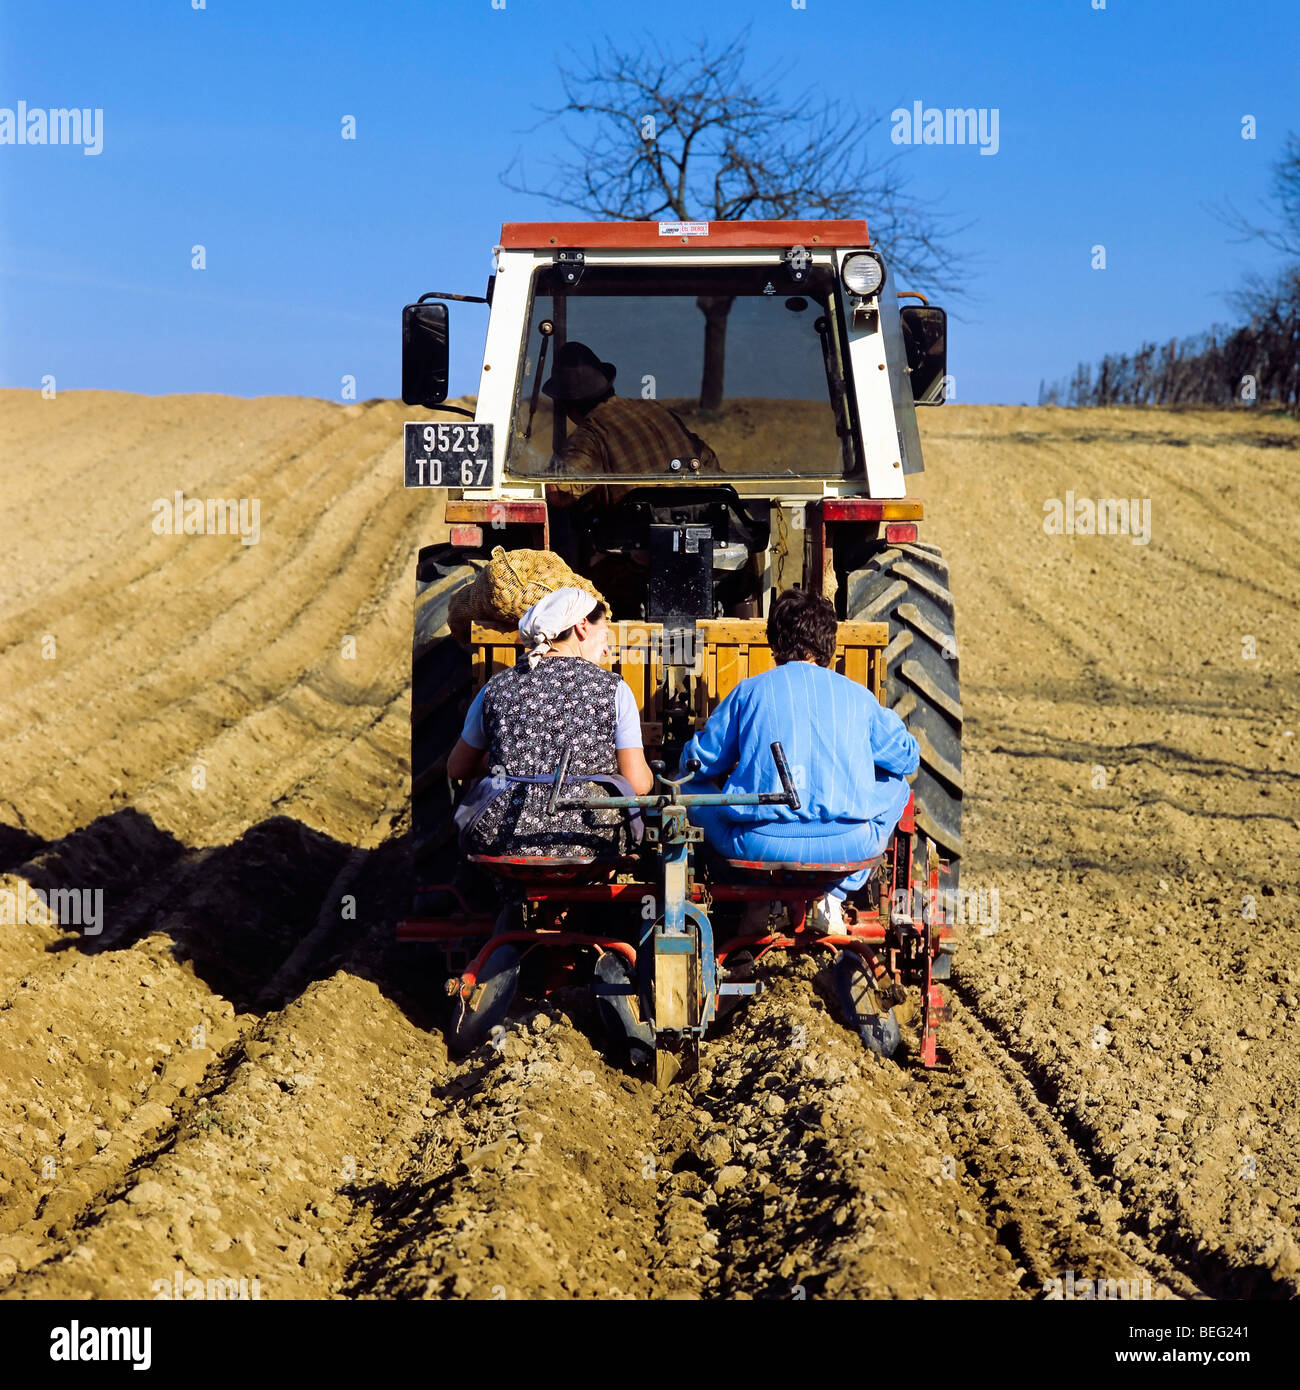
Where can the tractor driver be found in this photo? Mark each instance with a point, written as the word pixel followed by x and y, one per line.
pixel 613 434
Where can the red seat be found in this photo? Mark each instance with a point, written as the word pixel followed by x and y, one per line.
pixel 815 877
pixel 566 868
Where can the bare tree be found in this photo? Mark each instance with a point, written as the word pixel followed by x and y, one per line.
pixel 1281 229
pixel 695 137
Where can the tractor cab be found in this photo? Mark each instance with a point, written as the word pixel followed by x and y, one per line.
pixel 782 348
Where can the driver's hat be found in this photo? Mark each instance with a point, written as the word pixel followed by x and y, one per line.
pixel 579 375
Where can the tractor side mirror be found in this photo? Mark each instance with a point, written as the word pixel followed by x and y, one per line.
pixel 925 336
pixel 425 352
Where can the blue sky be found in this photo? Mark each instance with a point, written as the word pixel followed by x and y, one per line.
pixel 222 128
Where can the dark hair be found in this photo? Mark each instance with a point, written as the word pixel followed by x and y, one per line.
pixel 596 614
pixel 801 626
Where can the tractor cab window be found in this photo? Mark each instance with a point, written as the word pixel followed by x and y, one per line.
pixel 742 370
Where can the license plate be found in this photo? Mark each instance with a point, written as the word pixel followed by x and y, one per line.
pixel 447 455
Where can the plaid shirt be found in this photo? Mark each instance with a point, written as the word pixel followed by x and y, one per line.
pixel 636 437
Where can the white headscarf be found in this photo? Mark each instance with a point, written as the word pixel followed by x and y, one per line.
pixel 552 615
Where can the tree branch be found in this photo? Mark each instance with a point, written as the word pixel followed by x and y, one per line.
pixel 727 145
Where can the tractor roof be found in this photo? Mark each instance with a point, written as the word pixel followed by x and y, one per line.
pixel 624 235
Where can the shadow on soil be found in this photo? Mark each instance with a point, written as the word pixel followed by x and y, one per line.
pixel 258 920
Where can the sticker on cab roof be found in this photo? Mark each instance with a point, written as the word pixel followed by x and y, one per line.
pixel 683 229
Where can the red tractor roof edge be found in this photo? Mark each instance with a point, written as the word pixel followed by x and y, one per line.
pixel 809 232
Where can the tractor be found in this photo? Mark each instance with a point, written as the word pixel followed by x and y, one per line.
pixel 785 348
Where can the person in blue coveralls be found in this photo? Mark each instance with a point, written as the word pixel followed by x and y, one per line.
pixel 849 757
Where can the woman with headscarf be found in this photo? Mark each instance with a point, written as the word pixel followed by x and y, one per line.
pixel 523 719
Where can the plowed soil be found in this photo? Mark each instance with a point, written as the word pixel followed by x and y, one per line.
pixel 239 1076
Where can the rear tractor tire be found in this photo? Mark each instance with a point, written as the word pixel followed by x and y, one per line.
pixel 907 587
pixel 440 693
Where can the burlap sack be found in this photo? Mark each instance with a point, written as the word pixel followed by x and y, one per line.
pixel 508 586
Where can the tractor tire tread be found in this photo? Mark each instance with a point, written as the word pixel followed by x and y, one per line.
pixel 908 587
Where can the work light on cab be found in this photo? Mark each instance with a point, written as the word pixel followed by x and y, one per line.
pixel 863 274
